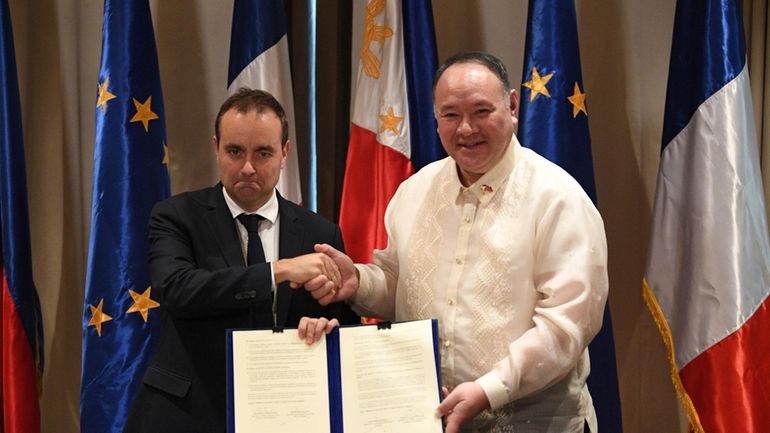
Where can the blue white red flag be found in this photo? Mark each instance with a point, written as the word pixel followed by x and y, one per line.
pixel 259 59
pixel 707 281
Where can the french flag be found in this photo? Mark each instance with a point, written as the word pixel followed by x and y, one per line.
pixel 21 337
pixel 259 59
pixel 393 130
pixel 708 272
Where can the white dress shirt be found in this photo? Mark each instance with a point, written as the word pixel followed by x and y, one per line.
pixel 268 228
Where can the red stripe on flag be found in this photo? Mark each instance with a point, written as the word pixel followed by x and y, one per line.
pixel 373 172
pixel 21 413
pixel 729 384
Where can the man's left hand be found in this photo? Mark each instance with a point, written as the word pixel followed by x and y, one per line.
pixel 461 405
pixel 311 330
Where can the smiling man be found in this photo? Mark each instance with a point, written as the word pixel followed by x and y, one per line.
pixel 211 272
pixel 506 250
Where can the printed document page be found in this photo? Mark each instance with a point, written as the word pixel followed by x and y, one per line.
pixel 389 379
pixel 280 384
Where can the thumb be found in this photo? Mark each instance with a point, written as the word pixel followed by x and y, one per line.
pixel 446 406
pixel 326 249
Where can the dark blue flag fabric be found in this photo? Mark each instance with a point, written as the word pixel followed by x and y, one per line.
pixel 120 316
pixel 21 325
pixel 554 123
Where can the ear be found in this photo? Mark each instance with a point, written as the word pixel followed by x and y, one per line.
pixel 285 152
pixel 515 109
pixel 215 143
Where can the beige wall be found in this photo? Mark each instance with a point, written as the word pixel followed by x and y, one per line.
pixel 624 45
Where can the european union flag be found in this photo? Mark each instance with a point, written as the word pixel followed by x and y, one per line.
pixel 130 175
pixel 554 123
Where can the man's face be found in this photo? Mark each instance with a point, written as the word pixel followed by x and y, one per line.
pixel 250 156
pixel 475 120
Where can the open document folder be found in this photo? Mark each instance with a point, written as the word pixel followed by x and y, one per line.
pixel 367 378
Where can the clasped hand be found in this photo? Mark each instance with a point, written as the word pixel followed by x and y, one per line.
pixel 316 270
pixel 327 274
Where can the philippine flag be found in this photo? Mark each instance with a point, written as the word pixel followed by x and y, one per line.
pixel 393 130
pixel 708 272
pixel 259 59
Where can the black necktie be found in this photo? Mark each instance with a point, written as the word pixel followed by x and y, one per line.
pixel 254 252
pixel 262 313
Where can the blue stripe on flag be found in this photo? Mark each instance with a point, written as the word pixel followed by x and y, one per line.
pixel 706 53
pixel 266 19
pixel 420 64
pixel 550 126
pixel 130 176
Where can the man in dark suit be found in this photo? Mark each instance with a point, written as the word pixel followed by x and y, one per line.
pixel 198 249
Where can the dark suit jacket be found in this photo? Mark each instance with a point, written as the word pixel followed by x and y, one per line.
pixel 204 287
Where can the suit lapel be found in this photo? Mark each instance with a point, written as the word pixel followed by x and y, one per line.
pixel 221 222
pixel 289 245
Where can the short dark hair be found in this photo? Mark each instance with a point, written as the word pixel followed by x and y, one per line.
pixel 245 100
pixel 483 58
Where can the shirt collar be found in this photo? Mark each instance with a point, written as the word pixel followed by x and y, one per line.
pixel 268 211
pixel 491 182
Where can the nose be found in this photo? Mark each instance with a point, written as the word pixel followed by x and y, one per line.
pixel 248 168
pixel 465 127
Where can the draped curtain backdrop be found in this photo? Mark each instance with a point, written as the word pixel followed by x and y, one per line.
pixel 624 48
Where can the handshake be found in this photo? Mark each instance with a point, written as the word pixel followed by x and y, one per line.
pixel 327 274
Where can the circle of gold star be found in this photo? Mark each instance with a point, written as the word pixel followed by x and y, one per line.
pixel 144 113
pixel 104 95
pixel 98 316
pixel 390 121
pixel 578 101
pixel 142 303
pixel 537 85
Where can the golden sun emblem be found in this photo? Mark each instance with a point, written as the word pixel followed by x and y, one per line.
pixel 373 33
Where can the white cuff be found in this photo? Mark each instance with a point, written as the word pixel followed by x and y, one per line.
pixel 364 285
pixel 493 387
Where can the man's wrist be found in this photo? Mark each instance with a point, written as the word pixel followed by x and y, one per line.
pixel 279 271
pixel 494 389
pixel 360 285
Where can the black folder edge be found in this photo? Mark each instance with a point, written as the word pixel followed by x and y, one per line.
pixel 437 359
pixel 333 372
pixel 230 388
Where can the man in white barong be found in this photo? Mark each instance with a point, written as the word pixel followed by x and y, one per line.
pixel 506 250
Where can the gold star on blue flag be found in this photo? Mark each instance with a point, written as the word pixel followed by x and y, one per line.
pixel 130 176
pixel 554 128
